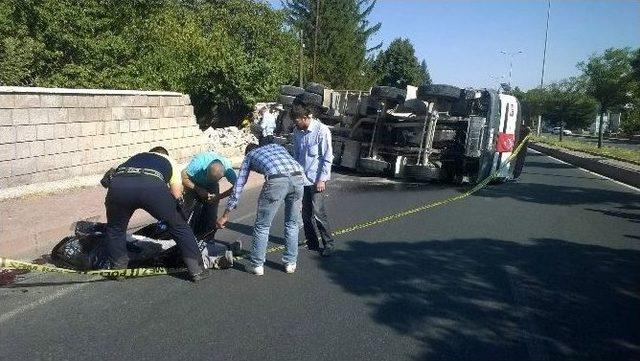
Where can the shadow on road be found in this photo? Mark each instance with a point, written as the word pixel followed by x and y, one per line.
pixel 570 194
pixel 487 299
pixel 247 230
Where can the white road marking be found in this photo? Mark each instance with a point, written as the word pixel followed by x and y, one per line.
pixel 586 170
pixel 48 298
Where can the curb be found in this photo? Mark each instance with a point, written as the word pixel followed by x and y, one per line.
pixel 623 172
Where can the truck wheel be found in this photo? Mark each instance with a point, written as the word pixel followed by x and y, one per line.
pixel 389 94
pixel 308 98
pixel 315 88
pixel 368 107
pixel 286 100
pixel 372 166
pixel 421 172
pixel 426 92
pixel 291 90
pixel 415 106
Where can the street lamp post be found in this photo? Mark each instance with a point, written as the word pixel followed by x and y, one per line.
pixel 544 58
pixel 510 55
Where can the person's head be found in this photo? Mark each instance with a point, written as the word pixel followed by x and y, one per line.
pixel 264 140
pixel 215 171
pixel 160 150
pixel 250 147
pixel 301 115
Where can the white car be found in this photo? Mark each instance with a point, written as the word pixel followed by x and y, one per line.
pixel 556 130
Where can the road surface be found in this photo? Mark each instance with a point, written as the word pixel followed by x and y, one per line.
pixel 546 268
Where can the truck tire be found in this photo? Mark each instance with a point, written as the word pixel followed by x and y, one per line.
pixel 372 165
pixel 421 172
pixel 286 100
pixel 308 98
pixel 315 88
pixel 415 106
pixel 438 91
pixel 388 94
pixel 369 107
pixel 291 90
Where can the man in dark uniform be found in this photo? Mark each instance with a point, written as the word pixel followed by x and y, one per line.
pixel 141 183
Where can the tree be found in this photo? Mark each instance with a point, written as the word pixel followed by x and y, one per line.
pixel 559 102
pixel 335 33
pixel 424 70
pixel 226 54
pixel 575 109
pixel 608 78
pixel 398 65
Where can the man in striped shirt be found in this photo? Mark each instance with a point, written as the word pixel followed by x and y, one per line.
pixel 283 182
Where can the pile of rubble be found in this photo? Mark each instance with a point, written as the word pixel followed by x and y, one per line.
pixel 229 141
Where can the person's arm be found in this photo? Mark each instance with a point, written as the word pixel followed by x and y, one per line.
pixel 325 160
pixel 235 192
pixel 175 185
pixel 189 184
pixel 296 140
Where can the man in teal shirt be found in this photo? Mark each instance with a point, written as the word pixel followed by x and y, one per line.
pixel 201 185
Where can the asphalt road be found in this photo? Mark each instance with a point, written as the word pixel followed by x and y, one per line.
pixel 546 268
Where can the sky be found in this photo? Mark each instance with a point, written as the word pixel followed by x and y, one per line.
pixel 462 41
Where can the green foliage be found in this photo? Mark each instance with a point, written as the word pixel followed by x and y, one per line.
pixel 623 154
pixel 398 66
pixel 630 122
pixel 559 102
pixel 226 54
pixel 335 34
pixel 609 78
pixel 424 72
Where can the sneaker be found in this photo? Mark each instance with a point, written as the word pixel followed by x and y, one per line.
pixel 290 267
pixel 206 273
pixel 256 270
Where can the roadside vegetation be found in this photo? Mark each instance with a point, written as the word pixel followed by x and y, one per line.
pixel 226 54
pixel 609 82
pixel 622 154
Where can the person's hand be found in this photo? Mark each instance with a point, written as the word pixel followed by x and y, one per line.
pixel 220 224
pixel 211 198
pixel 320 186
pixel 202 193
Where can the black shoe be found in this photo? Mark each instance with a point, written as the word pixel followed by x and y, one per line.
pixel 206 273
pixel 327 252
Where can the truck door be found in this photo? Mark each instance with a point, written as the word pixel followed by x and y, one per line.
pixel 506 136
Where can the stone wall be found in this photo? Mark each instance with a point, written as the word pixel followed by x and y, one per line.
pixel 53 134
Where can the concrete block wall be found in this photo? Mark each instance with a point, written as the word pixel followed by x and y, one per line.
pixel 54 134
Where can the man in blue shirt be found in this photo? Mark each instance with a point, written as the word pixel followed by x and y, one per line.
pixel 283 183
pixel 201 185
pixel 312 149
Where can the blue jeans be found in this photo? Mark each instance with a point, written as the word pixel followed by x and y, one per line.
pixel 274 192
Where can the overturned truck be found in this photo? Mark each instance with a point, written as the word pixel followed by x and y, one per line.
pixel 439 132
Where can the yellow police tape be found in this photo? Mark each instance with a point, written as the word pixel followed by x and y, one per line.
pixel 155 271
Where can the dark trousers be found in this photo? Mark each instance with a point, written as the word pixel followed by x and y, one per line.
pixel 314 218
pixel 128 193
pixel 202 214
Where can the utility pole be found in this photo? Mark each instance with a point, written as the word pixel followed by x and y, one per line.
pixel 300 65
pixel 315 40
pixel 544 58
